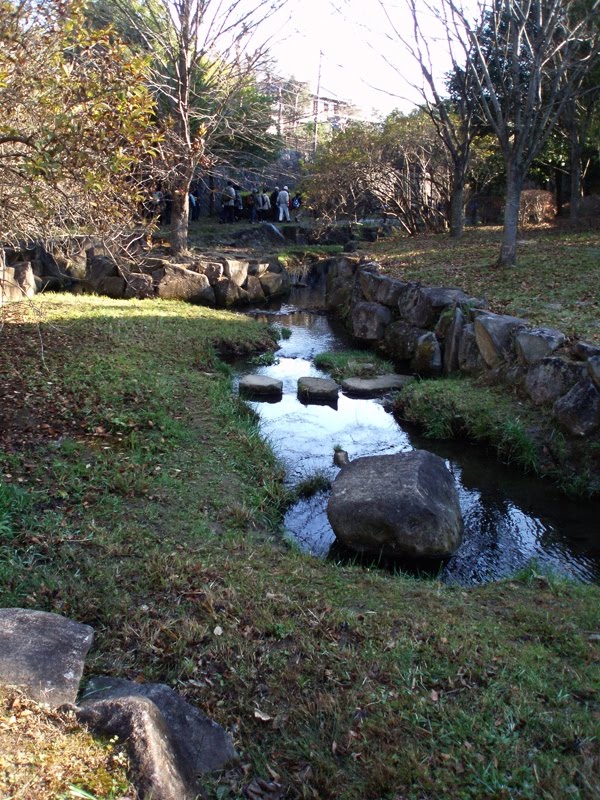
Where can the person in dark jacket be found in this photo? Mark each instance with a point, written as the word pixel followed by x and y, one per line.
pixel 273 201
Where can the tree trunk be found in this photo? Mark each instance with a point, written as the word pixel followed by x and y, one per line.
pixel 514 186
pixel 2 275
pixel 457 206
pixel 180 217
pixel 211 195
pixel 559 192
pixel 575 173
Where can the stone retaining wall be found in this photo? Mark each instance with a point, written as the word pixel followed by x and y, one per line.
pixel 436 331
pixel 214 279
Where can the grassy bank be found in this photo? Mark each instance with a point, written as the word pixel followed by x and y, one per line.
pixel 462 408
pixel 138 497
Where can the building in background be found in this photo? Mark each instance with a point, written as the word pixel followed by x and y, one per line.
pixel 297 110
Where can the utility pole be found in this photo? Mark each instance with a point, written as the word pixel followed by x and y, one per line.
pixel 316 109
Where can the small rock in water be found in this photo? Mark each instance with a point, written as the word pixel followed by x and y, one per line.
pixel 340 458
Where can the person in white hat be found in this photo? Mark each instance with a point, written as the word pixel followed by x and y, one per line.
pixel 283 204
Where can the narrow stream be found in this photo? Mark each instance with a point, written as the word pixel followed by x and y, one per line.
pixel 511 520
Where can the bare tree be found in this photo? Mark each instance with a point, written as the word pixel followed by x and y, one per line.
pixel 578 119
pixel 204 58
pixel 449 101
pixel 399 169
pixel 527 58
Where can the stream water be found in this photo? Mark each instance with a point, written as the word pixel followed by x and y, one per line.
pixel 511 520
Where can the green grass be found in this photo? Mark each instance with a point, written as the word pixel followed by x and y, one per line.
pixel 352 364
pixel 267 359
pixel 554 284
pixel 455 407
pixel 460 407
pixel 152 514
pixel 312 484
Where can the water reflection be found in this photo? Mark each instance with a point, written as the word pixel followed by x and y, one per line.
pixel 510 519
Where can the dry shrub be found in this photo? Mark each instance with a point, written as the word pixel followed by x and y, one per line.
pixel 536 206
pixel 45 754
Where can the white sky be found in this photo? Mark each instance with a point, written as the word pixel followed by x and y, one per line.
pixel 353 35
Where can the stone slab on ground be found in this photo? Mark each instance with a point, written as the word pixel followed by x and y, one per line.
pixel 368 387
pixel 370 320
pixel 44 653
pixel 594 369
pixel 533 345
pixel 16 282
pixel 578 411
pixel 552 377
pixel 495 336
pixel 171 743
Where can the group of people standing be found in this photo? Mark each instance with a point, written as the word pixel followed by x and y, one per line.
pixel 259 205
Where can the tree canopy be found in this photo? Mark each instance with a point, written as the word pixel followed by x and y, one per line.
pixel 529 58
pixel 77 123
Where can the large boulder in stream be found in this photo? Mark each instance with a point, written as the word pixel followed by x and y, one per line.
pixel 403 505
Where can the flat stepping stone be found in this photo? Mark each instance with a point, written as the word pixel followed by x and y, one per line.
pixel 44 653
pixel 367 387
pixel 261 386
pixel 317 390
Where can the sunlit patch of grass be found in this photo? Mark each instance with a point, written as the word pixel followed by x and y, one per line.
pixel 54 757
